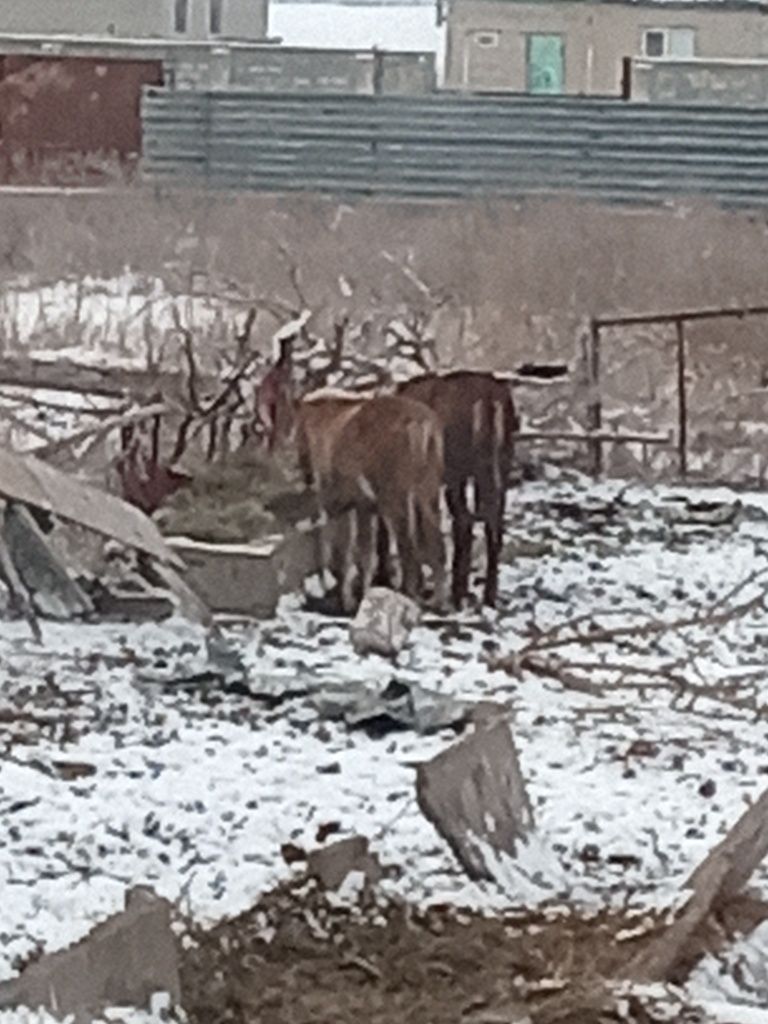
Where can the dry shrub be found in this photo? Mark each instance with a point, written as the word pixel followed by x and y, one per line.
pixel 249 496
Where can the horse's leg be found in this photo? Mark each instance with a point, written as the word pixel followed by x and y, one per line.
pixel 407 554
pixel 434 547
pixel 328 527
pixel 350 560
pixel 491 507
pixel 461 523
pixel 367 546
pixel 383 577
pixel 415 530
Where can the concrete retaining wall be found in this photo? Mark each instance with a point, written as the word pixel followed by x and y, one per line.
pixel 737 83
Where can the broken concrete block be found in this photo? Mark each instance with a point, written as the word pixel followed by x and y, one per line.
pixel 719 877
pixel 236 579
pixel 474 795
pixel 383 622
pixel 248 578
pixel 53 593
pixel 331 864
pixel 122 962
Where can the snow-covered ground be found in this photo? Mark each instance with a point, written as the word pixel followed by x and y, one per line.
pixel 112 774
pixel 111 322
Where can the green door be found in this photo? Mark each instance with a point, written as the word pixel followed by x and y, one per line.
pixel 545 72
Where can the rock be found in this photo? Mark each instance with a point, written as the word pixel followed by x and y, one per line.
pixel 642 748
pixel 331 864
pixel 292 854
pixel 123 962
pixel 522 547
pixel 328 828
pixel 383 622
pixel 72 770
pixel 474 795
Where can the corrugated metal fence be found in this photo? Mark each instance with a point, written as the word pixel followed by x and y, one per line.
pixel 445 145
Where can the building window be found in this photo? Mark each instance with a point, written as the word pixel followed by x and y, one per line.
pixel 180 15
pixel 669 42
pixel 487 39
pixel 215 13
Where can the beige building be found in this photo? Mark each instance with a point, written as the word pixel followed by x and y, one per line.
pixel 579 46
pixel 137 19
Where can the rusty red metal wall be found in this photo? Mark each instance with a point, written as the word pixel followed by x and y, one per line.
pixel 64 118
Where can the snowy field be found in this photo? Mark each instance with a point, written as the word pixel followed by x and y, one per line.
pixel 113 772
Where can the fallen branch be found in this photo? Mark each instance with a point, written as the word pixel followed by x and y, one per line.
pixel 654 627
pixel 95 432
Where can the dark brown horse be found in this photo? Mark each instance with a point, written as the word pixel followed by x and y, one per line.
pixel 479 422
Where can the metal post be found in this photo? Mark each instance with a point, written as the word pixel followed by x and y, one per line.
pixel 595 410
pixel 378 71
pixel 682 401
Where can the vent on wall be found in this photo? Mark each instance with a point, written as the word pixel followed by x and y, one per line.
pixel 487 39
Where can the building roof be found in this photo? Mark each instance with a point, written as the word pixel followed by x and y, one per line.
pixel 149 48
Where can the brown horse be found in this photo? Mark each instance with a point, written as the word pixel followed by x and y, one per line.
pixel 479 422
pixel 318 419
pixel 377 459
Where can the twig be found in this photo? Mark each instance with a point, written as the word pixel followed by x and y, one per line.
pixel 551 669
pixel 363 965
pixel 654 627
pixel 187 344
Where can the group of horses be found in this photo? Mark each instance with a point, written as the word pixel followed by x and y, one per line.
pixel 379 464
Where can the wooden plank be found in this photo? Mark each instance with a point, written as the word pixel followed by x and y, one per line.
pixel 586 437
pixel 719 877
pixel 65 375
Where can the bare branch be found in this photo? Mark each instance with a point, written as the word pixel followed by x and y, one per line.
pixel 650 628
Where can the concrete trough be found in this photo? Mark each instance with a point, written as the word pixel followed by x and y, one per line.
pixel 248 578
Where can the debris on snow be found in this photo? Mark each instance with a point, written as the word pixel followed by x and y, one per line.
pixel 714 883
pixel 474 792
pixel 332 864
pixel 49 587
pixel 383 622
pixel 123 962
pixel 25 479
pixel 399 705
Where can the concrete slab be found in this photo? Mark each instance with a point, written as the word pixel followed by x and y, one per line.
pixel 122 962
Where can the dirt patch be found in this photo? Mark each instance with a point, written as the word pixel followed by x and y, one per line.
pixel 296 958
